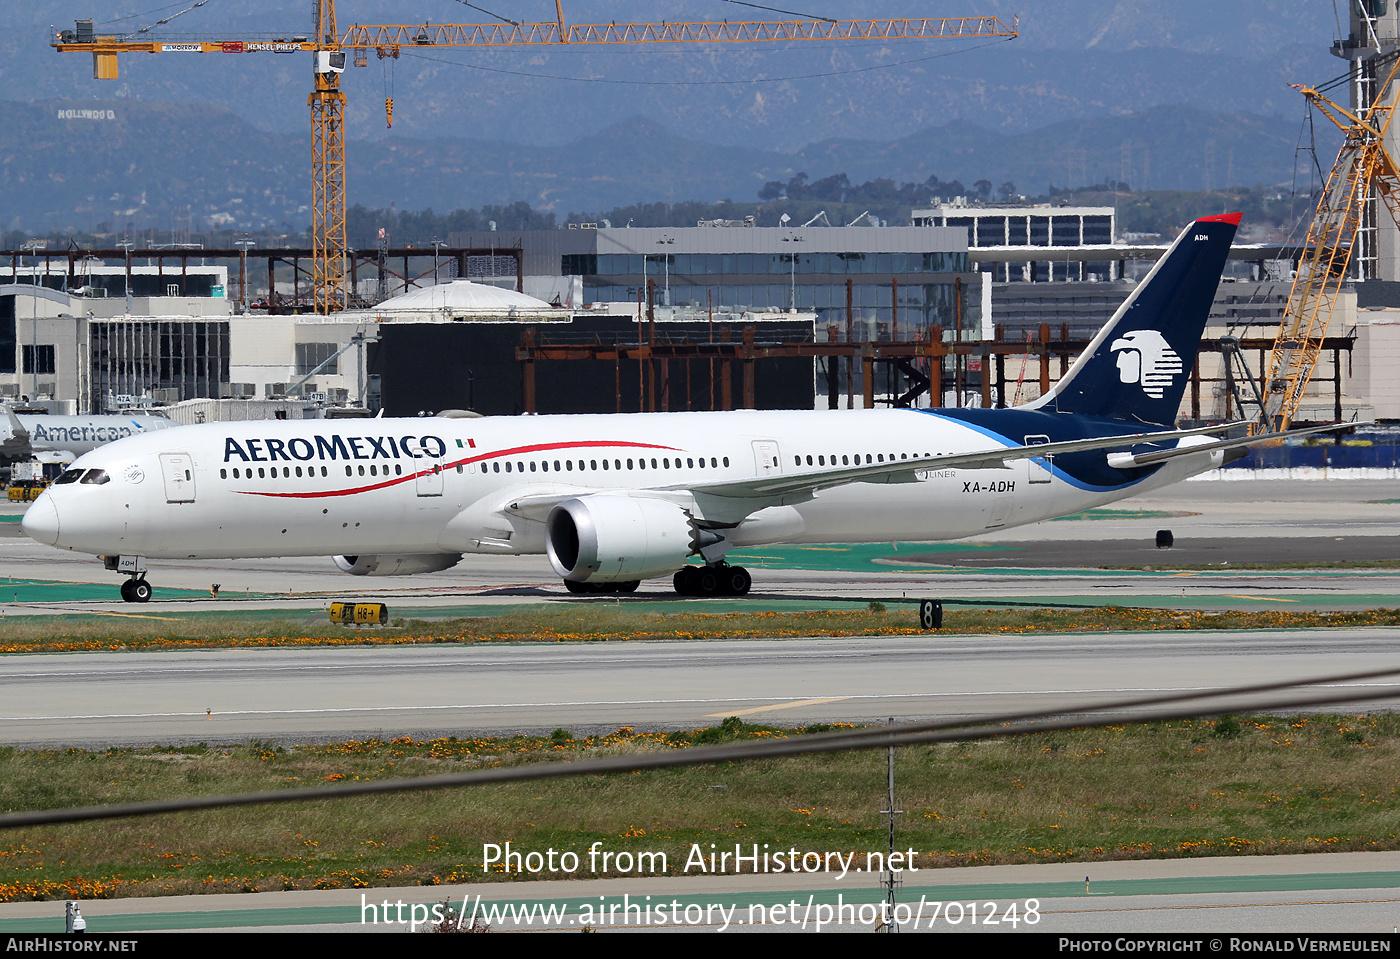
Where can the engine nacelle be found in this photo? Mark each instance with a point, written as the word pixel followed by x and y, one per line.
pixel 396 564
pixel 611 538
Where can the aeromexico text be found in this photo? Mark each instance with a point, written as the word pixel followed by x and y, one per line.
pixel 335 448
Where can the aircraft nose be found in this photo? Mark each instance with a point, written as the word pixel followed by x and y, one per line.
pixel 41 521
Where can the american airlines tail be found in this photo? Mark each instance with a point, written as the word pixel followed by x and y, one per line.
pixel 1137 367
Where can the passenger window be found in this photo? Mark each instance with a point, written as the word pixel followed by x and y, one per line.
pixel 690 462
pixel 556 466
pixel 223 474
pixel 726 461
pixel 629 464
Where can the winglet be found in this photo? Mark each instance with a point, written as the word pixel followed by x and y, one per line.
pixel 1231 218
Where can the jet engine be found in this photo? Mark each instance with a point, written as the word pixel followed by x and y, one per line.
pixel 396 564
pixel 613 538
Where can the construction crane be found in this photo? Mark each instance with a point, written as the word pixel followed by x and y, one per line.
pixel 1363 168
pixel 327 100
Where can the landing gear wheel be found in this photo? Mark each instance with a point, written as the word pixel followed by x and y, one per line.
pixel 136 591
pixel 684 580
pixel 630 586
pixel 575 587
pixel 707 582
pixel 736 580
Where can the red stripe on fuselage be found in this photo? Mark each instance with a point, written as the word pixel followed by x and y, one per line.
pixel 516 451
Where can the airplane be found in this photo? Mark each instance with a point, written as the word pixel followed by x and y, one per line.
pixel 55 438
pixel 616 499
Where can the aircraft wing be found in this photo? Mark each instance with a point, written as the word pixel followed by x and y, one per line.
pixel 903 471
pixel 729 501
pixel 1129 460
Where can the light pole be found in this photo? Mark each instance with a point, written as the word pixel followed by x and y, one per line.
pixel 243 270
pixel 126 277
pixel 34 246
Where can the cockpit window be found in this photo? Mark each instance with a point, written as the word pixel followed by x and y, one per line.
pixel 68 476
pixel 95 478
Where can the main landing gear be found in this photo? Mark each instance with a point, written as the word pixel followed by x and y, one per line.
pixel 136 590
pixel 720 579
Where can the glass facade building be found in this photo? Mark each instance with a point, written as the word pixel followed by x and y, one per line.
pixel 1042 225
pixel 780 269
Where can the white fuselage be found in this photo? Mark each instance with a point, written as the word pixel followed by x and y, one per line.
pixel 53 433
pixel 440 485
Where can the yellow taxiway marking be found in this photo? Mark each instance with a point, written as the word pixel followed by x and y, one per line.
pixel 1262 599
pixel 764 709
pixel 103 612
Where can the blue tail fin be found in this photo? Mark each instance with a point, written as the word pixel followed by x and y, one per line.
pixel 1137 366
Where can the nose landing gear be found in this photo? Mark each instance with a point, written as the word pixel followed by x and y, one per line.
pixel 136 590
pixel 721 579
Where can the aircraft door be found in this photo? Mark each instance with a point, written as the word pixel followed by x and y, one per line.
pixel 429 481
pixel 766 458
pixel 177 469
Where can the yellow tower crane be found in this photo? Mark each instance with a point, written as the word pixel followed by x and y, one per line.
pixel 1363 165
pixel 329 48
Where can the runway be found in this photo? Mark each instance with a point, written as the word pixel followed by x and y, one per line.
pixel 291 695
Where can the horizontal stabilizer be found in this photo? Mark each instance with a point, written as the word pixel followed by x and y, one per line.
pixel 1124 461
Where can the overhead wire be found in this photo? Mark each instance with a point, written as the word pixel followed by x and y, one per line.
pixel 791 13
pixel 162 22
pixel 497 16
pixel 1025 722
pixel 144 13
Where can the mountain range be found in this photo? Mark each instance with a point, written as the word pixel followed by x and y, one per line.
pixel 77 165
